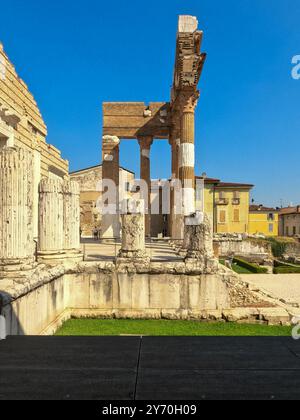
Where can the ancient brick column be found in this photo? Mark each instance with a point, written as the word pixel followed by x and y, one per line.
pixel 110 171
pixel 16 201
pixel 145 147
pixel 133 233
pixel 51 220
pixel 71 196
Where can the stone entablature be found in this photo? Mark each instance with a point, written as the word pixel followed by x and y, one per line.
pixel 131 120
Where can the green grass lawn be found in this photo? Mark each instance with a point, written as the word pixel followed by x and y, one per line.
pixel 111 327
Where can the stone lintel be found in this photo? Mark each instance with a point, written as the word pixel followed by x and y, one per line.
pixel 130 120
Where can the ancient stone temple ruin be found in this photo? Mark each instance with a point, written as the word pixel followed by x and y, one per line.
pixel 173 120
pixel 43 278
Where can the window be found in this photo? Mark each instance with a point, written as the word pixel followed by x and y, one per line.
pixel 271 216
pixel 222 216
pixel 127 186
pixel 236 195
pixel 236 215
pixel 287 231
pixel 271 228
pixel 294 231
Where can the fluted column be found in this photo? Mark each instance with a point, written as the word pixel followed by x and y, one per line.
pixel 16 207
pixel 111 227
pixel 51 220
pixel 71 193
pixel 145 147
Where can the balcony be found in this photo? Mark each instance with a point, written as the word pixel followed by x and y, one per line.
pixel 222 201
pixel 236 201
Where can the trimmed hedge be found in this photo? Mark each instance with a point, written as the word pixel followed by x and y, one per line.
pixel 287 270
pixel 251 267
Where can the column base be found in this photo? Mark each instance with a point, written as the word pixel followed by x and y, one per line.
pixel 59 257
pixel 12 268
pixel 133 255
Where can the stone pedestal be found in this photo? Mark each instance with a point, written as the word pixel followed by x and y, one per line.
pixel 133 237
pixel 200 246
pixel 17 248
pixel 71 195
pixel 51 221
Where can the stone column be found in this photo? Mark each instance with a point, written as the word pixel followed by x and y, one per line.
pixel 187 155
pixel 111 227
pixel 175 144
pixel 71 194
pixel 145 147
pixel 17 248
pixel 133 233
pixel 51 220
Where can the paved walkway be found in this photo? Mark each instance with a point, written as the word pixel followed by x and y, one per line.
pixel 133 368
pixel 281 286
pixel 108 250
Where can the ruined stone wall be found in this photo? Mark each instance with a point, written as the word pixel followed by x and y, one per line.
pixel 21 125
pixel 243 248
pixel 30 132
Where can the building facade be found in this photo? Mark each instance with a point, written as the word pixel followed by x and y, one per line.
pixel 227 205
pixel 89 181
pixel 289 221
pixel 263 221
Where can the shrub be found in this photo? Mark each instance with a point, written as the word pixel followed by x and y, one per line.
pixel 278 247
pixel 253 268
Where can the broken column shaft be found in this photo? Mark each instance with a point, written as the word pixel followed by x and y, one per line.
pixel 16 203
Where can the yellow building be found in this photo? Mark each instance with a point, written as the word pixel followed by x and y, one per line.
pixel 227 205
pixel 263 221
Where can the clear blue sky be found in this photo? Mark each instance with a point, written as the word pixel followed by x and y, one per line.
pixel 76 54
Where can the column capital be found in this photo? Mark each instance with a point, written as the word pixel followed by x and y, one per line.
pixel 145 142
pixel 110 142
pixel 188 101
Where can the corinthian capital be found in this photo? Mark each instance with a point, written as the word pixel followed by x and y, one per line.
pixel 189 101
